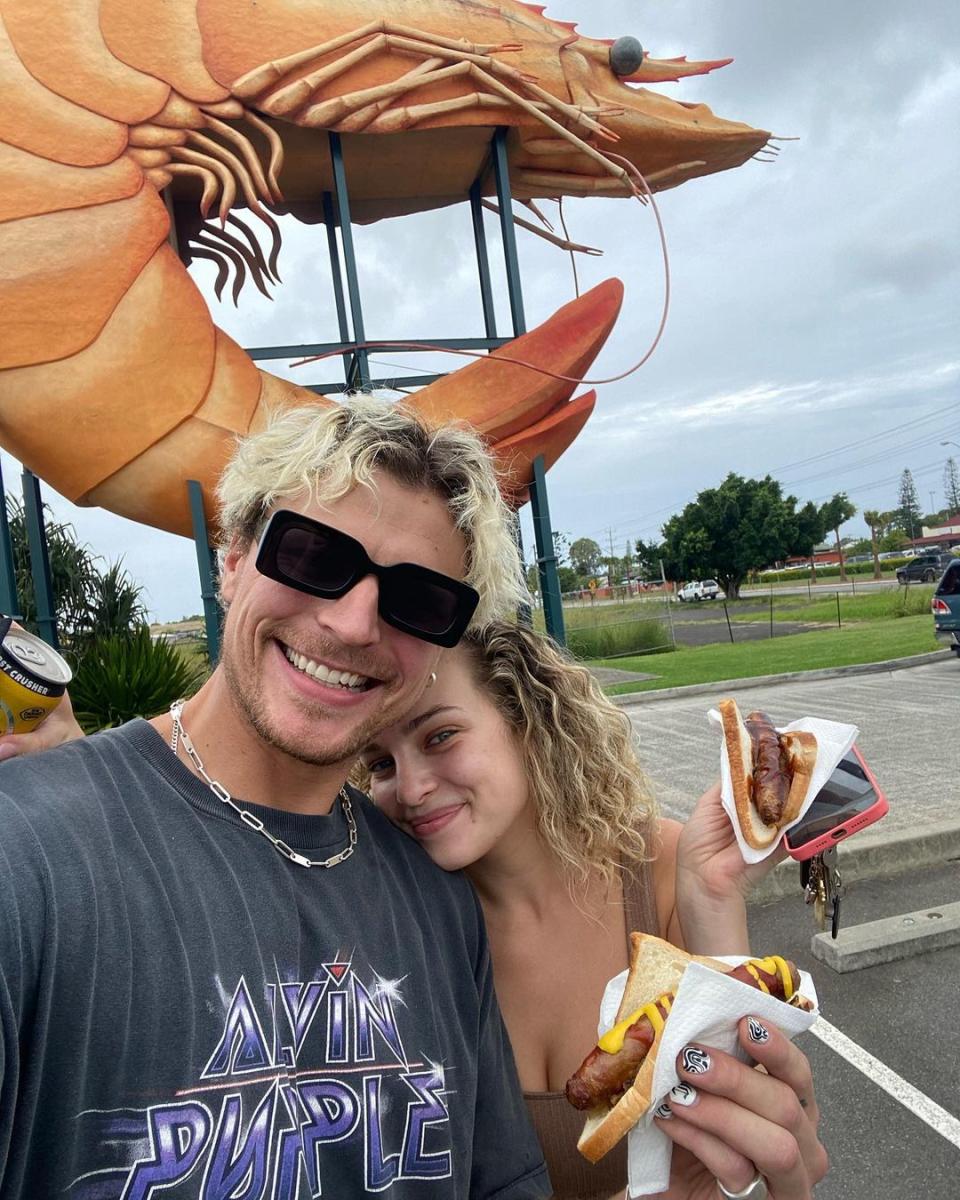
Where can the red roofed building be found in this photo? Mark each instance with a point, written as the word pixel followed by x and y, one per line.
pixel 935 537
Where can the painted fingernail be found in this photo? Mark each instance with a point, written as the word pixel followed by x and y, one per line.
pixel 664 1112
pixel 756 1031
pixel 695 1061
pixel 684 1094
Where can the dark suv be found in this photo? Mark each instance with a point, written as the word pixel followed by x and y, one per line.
pixel 928 567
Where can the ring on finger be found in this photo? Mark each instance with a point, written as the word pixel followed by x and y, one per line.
pixel 756 1189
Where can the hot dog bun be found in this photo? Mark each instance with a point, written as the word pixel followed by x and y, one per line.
pixel 655 969
pixel 801 757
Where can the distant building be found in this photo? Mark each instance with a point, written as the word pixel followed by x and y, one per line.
pixel 945 536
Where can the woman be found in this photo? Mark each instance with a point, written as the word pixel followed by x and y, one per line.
pixel 516 768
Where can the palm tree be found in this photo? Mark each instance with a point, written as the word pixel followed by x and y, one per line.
pixel 835 513
pixel 874 519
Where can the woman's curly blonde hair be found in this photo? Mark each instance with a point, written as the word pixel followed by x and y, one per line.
pixel 593 802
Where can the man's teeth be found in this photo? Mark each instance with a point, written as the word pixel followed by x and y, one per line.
pixel 316 670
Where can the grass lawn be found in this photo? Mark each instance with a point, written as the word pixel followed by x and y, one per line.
pixel 865 606
pixel 871 642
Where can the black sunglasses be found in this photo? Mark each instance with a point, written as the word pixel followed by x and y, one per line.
pixel 322 561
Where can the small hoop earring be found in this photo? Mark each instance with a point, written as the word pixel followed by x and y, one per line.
pixel 432 680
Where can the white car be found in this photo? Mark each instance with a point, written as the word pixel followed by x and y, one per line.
pixel 706 589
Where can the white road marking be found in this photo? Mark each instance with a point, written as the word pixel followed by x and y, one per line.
pixel 939 1120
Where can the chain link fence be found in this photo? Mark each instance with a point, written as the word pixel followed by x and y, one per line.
pixel 653 622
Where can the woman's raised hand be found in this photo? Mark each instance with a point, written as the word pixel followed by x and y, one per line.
pixel 713 880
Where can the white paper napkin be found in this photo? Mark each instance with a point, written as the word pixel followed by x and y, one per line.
pixel 706 1009
pixel 834 739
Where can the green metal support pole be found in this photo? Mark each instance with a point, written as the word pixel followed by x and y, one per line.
pixel 39 560
pixel 9 604
pixel 483 260
pixel 349 258
pixel 207 564
pixel 330 220
pixel 524 612
pixel 546 555
pixel 501 173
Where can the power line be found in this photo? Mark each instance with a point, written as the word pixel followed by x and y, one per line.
pixel 864 441
pixel 636 525
pixel 872 460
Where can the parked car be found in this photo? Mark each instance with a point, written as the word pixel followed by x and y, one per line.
pixel 927 567
pixel 946 606
pixel 706 589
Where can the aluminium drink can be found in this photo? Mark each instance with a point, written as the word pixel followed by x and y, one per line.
pixel 33 678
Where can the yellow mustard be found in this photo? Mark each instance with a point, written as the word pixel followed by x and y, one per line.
pixel 612 1040
pixel 773 965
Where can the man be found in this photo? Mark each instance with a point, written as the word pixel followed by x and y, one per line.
pixel 223 973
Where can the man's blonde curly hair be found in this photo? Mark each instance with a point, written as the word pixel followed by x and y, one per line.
pixel 324 452
pixel 593 803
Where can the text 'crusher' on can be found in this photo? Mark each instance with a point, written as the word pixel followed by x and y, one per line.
pixel 33 678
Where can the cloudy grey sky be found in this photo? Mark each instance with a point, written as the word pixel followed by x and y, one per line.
pixel 815 299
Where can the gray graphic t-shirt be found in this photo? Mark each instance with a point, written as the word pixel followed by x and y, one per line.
pixel 184 1013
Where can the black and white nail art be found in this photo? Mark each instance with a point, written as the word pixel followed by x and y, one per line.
pixel 663 1112
pixel 684 1094
pixel 757 1032
pixel 695 1060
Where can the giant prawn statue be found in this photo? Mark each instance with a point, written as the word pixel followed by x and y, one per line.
pixel 115 384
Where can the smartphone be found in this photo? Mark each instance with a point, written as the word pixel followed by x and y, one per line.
pixel 849 801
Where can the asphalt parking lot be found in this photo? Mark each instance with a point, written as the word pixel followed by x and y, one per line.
pixel 888 1079
pixel 896 1144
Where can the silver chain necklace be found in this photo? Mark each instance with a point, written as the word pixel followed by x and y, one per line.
pixel 179 735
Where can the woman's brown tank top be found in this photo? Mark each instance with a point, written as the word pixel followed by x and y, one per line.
pixel 557 1124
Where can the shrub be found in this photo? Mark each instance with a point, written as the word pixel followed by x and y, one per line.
pixel 912 600
pixel 126 676
pixel 612 640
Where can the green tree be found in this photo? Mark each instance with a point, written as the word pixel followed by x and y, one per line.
pixel 115 602
pixel 648 559
pixel 908 505
pixel 810 533
pixel 874 519
pixel 89 601
pixel 72 571
pixel 836 512
pixel 585 557
pixel 569 581
pixel 951 486
pixel 741 526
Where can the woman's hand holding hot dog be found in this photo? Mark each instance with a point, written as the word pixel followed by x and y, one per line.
pixel 713 880
pixel 729 1121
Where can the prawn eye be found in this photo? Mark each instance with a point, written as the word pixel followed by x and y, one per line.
pixel 626 56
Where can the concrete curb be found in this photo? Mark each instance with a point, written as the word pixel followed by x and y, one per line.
pixel 871 856
pixel 739 685
pixel 889 939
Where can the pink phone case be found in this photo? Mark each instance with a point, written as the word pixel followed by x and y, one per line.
pixel 852 825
